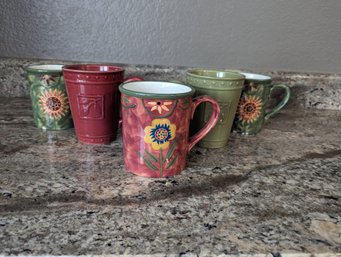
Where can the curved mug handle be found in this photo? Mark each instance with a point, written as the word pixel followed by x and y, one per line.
pixel 211 122
pixel 282 103
pixel 132 79
pixel 118 96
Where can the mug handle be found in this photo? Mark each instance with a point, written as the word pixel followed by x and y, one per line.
pixel 132 79
pixel 211 122
pixel 118 96
pixel 281 103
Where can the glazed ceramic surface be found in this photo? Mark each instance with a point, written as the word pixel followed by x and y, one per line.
pixel 50 103
pixel 94 100
pixel 223 86
pixel 252 109
pixel 155 126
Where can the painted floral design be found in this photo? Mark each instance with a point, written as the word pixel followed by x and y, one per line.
pixel 159 106
pixel 160 133
pixel 54 103
pixel 249 108
pixel 251 86
pixel 48 79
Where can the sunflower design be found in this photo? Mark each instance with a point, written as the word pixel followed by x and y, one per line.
pixel 160 133
pixel 53 103
pixel 47 79
pixel 159 106
pixel 249 108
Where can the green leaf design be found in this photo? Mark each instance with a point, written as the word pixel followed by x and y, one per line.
pixel 151 156
pixel 32 78
pixel 260 89
pixel 172 162
pixel 127 101
pixel 171 150
pixel 241 125
pixel 147 162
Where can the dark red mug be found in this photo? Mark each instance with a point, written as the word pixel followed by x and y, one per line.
pixel 94 100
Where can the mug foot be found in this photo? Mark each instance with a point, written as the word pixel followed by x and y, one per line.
pixel 96 140
pixel 150 174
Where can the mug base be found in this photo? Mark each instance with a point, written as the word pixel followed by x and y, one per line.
pixel 96 140
pixel 212 144
pixel 245 134
pixel 46 128
pixel 149 174
pixel 53 127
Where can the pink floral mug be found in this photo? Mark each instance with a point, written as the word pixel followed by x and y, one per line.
pixel 155 126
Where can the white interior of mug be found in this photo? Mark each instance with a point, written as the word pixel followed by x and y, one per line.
pixel 157 87
pixel 56 67
pixel 254 76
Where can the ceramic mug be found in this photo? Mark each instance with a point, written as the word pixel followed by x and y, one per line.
pixel 225 87
pixel 94 100
pixel 252 109
pixel 155 126
pixel 50 103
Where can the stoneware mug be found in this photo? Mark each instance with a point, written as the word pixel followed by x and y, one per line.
pixel 223 86
pixel 252 109
pixel 155 126
pixel 50 103
pixel 94 100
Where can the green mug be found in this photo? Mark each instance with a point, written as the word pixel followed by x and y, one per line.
pixel 225 87
pixel 252 109
pixel 50 103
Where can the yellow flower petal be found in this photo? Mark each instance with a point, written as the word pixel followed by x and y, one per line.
pixel 157 146
pixel 152 103
pixel 165 145
pixel 172 128
pixel 159 109
pixel 153 108
pixel 147 137
pixel 155 122
pixel 160 121
pixel 167 103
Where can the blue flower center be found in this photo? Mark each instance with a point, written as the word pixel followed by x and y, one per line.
pixel 161 133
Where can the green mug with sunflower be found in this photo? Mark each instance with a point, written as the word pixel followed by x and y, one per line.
pixel 252 109
pixel 50 103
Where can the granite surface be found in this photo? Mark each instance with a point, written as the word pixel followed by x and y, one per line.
pixel 275 194
pixel 311 90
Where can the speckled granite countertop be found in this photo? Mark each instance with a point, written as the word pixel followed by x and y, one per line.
pixel 278 192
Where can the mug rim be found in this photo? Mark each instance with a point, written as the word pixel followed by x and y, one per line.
pixel 151 95
pixel 238 76
pixel 75 68
pixel 256 77
pixel 44 68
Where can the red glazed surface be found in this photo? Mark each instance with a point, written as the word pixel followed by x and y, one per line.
pixel 145 122
pixel 94 100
